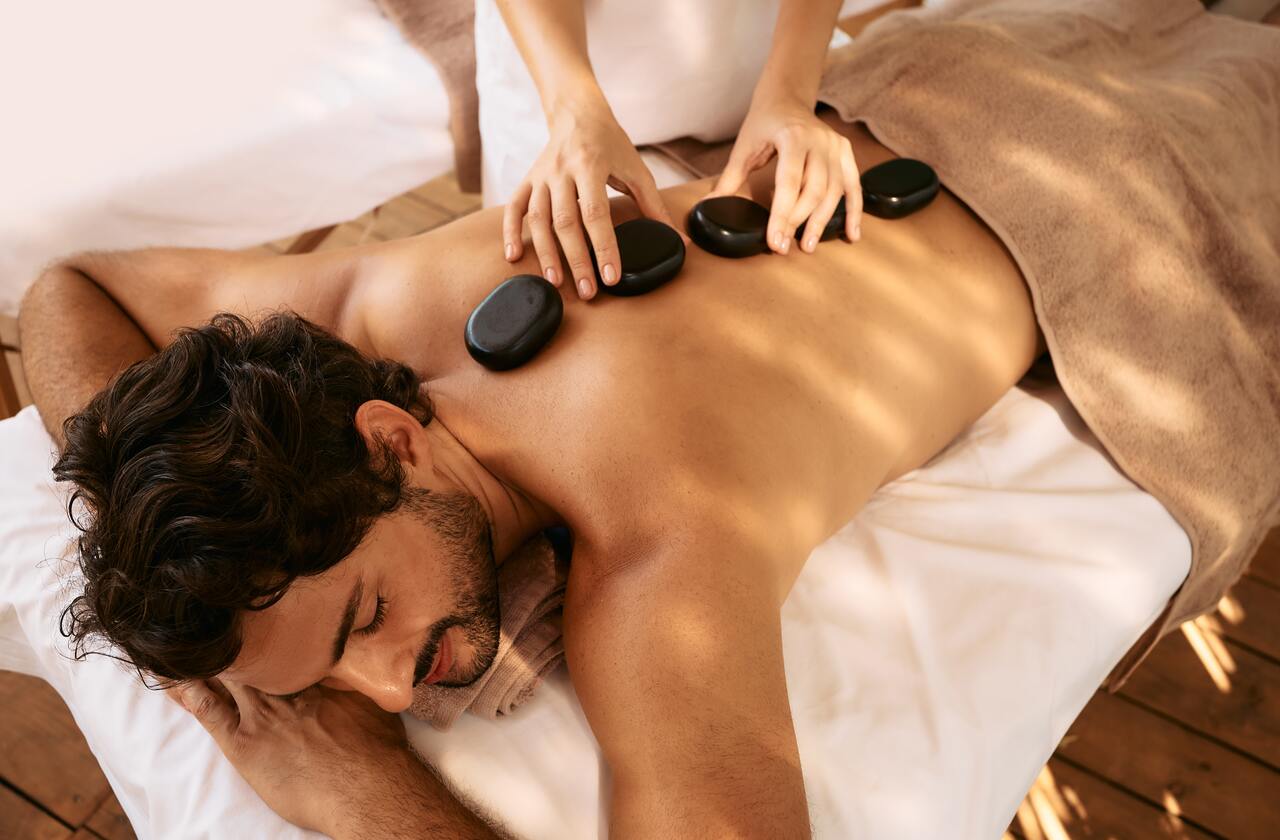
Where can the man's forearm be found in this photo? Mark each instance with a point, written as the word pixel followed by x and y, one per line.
pixel 800 38
pixel 75 338
pixel 411 804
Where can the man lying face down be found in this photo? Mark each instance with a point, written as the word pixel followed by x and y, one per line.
pixel 270 500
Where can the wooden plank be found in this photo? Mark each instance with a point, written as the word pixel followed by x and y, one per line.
pixel 1250 615
pixel 43 754
pixel 1068 802
pixel 10 404
pixel 406 216
pixel 443 193
pixel 1266 563
pixel 9 330
pixel 13 362
pixel 1164 764
pixel 109 821
pixel 1176 681
pixel 20 819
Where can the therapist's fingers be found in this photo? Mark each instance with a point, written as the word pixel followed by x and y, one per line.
pixel 736 170
pixel 639 184
pixel 594 203
pixel 512 216
pixel 852 193
pixel 565 218
pixel 787 182
pixel 816 178
pixel 544 241
pixel 219 717
pixel 822 214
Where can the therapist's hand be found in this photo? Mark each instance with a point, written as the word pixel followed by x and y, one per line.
pixel 563 197
pixel 815 169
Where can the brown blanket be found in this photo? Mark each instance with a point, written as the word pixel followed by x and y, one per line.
pixel 1127 152
pixel 1128 155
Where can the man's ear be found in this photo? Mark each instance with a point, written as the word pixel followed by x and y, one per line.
pixel 401 430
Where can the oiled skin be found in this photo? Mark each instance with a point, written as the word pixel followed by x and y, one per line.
pixel 775 393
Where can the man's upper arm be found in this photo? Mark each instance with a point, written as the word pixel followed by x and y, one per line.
pixel 163 289
pixel 677 662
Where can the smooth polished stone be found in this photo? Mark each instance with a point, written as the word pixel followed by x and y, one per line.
pixel 514 322
pixel 729 226
pixel 651 253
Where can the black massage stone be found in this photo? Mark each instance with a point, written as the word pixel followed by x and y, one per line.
pixel 898 188
pixel 894 189
pixel 729 226
pixel 514 322
pixel 651 253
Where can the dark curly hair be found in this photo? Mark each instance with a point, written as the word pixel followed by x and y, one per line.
pixel 214 474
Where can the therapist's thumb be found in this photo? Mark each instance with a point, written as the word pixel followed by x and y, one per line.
pixel 214 713
pixel 734 175
pixel 645 192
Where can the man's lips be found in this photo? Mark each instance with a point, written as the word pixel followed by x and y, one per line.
pixel 444 659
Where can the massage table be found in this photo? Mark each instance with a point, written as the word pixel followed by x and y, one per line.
pixel 937 647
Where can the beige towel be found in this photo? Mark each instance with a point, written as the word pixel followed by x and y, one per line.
pixel 1127 152
pixel 444 31
pixel 531 584
pixel 1128 155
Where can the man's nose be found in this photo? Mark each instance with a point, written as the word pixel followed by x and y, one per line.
pixel 387 681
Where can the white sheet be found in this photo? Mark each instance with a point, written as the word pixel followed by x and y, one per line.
pixel 936 649
pixel 180 122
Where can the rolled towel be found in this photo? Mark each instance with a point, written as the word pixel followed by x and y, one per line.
pixel 531 584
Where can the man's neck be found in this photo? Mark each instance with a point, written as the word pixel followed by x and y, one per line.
pixel 415 311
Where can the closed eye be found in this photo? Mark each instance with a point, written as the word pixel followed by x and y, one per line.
pixel 379 615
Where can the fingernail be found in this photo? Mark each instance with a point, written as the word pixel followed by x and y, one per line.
pixel 610 275
pixel 509 250
pixel 551 277
pixel 811 243
pixel 777 241
pixel 786 245
pixel 857 233
pixel 583 288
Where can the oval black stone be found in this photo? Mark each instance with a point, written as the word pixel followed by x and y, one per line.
pixel 729 226
pixel 894 189
pixel 651 253
pixel 514 322
pixel 898 188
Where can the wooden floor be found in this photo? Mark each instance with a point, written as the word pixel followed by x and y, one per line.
pixel 1190 748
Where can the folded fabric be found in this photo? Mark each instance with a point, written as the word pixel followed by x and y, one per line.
pixel 531 584
pixel 1128 156
pixel 444 31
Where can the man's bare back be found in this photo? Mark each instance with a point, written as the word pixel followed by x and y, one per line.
pixel 777 393
pixel 699 441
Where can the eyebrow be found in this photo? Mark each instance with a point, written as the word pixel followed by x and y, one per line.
pixel 348 619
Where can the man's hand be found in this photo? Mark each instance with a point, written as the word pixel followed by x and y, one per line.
pixel 330 761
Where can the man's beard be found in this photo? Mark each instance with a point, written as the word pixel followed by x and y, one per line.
pixel 459 520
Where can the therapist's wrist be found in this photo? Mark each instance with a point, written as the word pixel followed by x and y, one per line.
pixel 777 91
pixel 577 94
